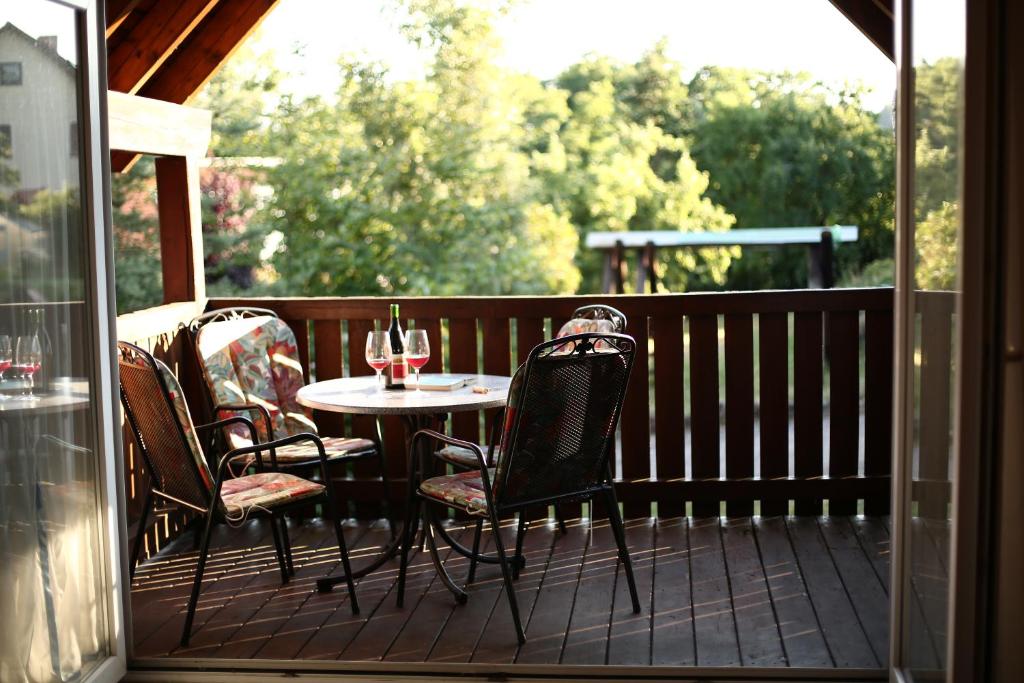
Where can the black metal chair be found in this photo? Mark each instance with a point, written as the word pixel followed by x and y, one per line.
pixel 584 319
pixel 181 477
pixel 227 392
pixel 555 445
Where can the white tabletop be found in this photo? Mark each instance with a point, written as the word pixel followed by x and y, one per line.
pixel 67 394
pixel 361 395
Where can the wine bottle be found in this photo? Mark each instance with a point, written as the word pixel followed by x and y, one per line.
pixel 44 376
pixel 394 376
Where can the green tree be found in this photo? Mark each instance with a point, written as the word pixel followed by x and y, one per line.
pixel 419 187
pixel 782 150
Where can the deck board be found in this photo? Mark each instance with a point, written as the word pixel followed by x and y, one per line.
pixel 765 592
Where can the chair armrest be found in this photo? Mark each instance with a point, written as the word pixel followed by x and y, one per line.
pixel 258 448
pixel 248 407
pixel 234 419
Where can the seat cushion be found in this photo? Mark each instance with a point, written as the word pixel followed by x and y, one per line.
pixel 336 448
pixel 255 360
pixel 265 490
pixel 465 490
pixel 462 457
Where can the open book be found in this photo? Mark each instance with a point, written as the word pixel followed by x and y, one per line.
pixel 443 382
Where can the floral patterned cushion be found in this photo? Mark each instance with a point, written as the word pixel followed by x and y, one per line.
pixel 463 457
pixel 265 490
pixel 255 360
pixel 334 446
pixel 185 420
pixel 465 489
pixel 581 325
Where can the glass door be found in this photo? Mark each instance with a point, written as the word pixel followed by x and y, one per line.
pixel 928 297
pixel 61 609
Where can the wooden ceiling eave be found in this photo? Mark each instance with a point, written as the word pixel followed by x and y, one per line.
pixel 134 55
pixel 168 51
pixel 875 20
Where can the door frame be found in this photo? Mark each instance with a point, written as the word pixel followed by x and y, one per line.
pixel 95 184
pixel 978 392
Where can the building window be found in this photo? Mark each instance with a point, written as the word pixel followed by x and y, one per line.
pixel 74 138
pixel 5 141
pixel 10 73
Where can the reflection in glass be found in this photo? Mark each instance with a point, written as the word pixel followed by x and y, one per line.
pixel 938 46
pixel 53 625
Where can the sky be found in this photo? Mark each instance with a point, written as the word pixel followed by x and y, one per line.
pixel 542 37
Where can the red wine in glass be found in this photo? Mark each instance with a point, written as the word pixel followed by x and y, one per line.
pixel 5 365
pixel 417 362
pixel 27 369
pixel 377 364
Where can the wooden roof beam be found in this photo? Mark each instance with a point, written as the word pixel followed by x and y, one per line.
pixel 157 31
pixel 199 56
pixel 875 20
pixel 117 12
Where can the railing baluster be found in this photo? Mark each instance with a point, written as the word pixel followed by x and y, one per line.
pixel 704 407
pixel 773 403
pixel 636 420
pixel 844 402
pixel 462 335
pixel 807 408
pixel 739 406
pixel 301 330
pixel 878 382
pixel 936 377
pixel 669 415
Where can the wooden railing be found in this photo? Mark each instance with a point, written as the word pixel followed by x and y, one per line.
pixel 754 401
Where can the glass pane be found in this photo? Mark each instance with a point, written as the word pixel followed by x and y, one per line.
pixel 938 54
pixel 54 623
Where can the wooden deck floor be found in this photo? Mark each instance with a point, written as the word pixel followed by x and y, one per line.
pixel 800 592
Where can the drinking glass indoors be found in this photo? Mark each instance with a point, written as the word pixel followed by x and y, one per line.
pixel 378 351
pixel 28 357
pixel 6 360
pixel 417 351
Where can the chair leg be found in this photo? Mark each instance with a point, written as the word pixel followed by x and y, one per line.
pixel 346 566
pixel 506 574
pixel 198 582
pixel 275 529
pixel 620 540
pixel 287 543
pixel 559 519
pixel 140 534
pixel 519 561
pixel 476 550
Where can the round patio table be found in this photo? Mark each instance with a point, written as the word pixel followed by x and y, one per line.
pixel 418 409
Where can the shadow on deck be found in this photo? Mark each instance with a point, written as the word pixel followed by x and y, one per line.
pixel 762 592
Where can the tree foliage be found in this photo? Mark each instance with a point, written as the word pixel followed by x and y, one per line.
pixel 783 150
pixel 477 179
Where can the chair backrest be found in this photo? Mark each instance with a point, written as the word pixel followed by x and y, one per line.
pixel 252 358
pixel 560 420
pixel 159 418
pixel 594 318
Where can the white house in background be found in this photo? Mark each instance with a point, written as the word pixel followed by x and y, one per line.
pixel 38 134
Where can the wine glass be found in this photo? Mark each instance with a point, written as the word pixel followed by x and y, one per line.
pixel 6 360
pixel 28 358
pixel 378 351
pixel 417 351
